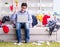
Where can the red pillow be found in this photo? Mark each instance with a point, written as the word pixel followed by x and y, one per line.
pixel 5 29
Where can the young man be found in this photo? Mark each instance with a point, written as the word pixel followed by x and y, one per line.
pixel 25 25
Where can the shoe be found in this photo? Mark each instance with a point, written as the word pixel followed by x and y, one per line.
pixel 34 43
pixel 26 41
pixel 48 43
pixel 19 43
pixel 15 43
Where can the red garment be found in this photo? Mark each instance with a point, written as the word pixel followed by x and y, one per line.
pixel 11 8
pixel 0 22
pixel 5 29
pixel 44 22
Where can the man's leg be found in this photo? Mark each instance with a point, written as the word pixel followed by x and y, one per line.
pixel 18 32
pixel 27 35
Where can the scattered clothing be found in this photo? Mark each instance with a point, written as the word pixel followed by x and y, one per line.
pixel 52 26
pixel 5 18
pixel 44 22
pixel 40 17
pixel 11 8
pixel 0 23
pixel 5 29
pixel 34 22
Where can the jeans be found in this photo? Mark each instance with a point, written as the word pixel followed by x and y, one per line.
pixel 18 31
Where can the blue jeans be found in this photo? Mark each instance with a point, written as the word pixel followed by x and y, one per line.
pixel 18 31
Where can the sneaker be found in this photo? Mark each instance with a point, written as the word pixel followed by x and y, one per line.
pixel 34 43
pixel 48 43
pixel 15 43
pixel 19 43
pixel 26 41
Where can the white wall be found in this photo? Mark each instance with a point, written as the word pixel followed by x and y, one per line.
pixel 57 6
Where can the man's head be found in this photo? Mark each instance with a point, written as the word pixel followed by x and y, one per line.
pixel 23 7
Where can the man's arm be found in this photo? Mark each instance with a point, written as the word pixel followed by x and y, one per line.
pixel 13 18
pixel 30 19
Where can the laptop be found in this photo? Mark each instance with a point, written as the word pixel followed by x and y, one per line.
pixel 22 18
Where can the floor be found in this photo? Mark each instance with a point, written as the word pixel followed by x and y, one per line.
pixel 8 44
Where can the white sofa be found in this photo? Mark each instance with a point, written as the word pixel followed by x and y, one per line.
pixel 36 34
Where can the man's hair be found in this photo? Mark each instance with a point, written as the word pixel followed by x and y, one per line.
pixel 24 4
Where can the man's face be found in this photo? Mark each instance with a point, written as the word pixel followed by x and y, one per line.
pixel 23 8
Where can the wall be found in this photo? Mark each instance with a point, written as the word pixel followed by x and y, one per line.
pixel 57 6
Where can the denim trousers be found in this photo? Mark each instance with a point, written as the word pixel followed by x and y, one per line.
pixel 18 31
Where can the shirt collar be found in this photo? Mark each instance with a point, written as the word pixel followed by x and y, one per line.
pixel 22 12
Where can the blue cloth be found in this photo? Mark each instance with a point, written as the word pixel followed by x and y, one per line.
pixel 18 31
pixel 51 23
pixel 5 18
pixel 34 22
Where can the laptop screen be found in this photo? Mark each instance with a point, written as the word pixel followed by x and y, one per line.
pixel 22 18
